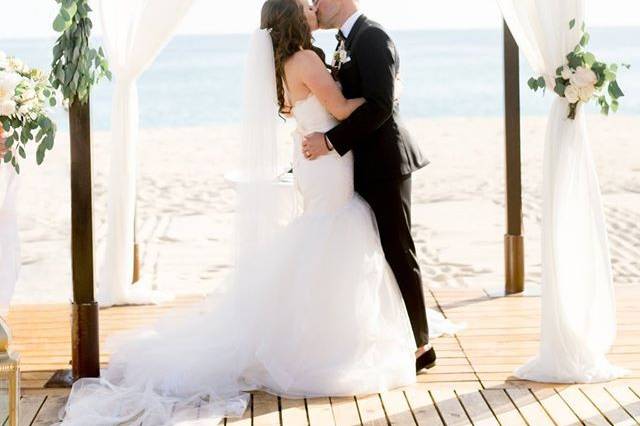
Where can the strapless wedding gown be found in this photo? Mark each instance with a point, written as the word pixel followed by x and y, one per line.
pixel 318 314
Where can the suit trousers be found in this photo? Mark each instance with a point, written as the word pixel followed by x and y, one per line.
pixel 390 201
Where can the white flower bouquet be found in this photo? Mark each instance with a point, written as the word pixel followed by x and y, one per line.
pixel 583 78
pixel 25 98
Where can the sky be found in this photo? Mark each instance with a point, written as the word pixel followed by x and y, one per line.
pixel 33 18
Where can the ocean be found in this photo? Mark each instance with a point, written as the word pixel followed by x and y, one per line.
pixel 197 79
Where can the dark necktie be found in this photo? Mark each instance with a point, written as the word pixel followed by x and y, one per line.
pixel 341 38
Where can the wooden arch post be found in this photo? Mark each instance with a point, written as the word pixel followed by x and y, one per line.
pixel 513 239
pixel 85 348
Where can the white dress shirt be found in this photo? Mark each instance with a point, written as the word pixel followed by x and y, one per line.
pixel 346 30
pixel 349 23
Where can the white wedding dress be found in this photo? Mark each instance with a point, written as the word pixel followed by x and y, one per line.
pixel 317 312
pixel 312 308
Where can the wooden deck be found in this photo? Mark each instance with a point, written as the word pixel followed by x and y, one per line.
pixel 472 383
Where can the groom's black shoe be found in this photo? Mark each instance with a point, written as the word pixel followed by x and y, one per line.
pixel 426 360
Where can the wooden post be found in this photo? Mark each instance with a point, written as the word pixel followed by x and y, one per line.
pixel 85 361
pixel 513 239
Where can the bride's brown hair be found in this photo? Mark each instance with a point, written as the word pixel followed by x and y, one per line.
pixel 290 33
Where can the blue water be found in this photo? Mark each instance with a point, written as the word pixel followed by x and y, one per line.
pixel 197 80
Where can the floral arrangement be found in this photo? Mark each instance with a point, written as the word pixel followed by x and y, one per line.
pixel 25 98
pixel 583 78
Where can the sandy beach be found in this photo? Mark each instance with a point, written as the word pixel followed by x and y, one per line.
pixel 185 206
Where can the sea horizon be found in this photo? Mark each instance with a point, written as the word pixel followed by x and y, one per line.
pixel 197 79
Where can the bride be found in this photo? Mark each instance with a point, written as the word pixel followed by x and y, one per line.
pixel 312 308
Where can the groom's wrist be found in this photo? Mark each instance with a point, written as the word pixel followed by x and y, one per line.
pixel 327 142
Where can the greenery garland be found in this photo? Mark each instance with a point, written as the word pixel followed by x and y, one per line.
pixel 76 67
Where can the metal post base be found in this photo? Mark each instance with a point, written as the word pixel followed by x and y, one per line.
pixel 514 263
pixel 85 347
pixel 60 379
pixel 86 344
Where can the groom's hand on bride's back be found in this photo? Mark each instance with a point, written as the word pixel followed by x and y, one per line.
pixel 314 145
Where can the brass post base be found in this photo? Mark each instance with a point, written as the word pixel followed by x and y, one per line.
pixel 514 263
pixel 136 262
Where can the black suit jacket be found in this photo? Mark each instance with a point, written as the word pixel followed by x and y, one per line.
pixel 383 149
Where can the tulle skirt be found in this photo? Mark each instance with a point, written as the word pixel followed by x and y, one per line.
pixel 316 312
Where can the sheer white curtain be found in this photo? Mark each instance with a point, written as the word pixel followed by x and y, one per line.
pixel 9 242
pixel 134 33
pixel 578 307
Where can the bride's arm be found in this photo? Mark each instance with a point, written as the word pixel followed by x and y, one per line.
pixel 314 75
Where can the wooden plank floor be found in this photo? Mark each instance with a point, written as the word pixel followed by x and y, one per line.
pixel 471 385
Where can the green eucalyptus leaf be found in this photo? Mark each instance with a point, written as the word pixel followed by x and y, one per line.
pixel 614 105
pixel 40 153
pixel 614 90
pixel 609 75
pixel 572 24
pixel 575 60
pixel 589 58
pixel 60 24
pixel 71 9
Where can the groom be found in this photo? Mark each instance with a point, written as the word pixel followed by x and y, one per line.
pixel 366 63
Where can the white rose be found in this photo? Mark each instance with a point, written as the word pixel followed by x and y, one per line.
pixel 15 64
pixel 27 107
pixel 583 77
pixel 7 108
pixel 28 95
pixel 586 93
pixel 572 94
pixel 8 83
pixel 566 72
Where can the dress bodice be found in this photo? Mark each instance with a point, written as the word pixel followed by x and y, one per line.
pixel 312 116
pixel 326 183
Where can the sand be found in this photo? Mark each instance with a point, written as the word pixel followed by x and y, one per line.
pixel 185 206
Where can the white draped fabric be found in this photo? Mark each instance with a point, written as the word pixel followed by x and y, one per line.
pixel 134 33
pixel 9 242
pixel 578 306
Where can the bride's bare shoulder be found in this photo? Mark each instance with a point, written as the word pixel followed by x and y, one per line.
pixel 303 60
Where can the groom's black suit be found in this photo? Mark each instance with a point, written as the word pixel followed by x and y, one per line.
pixel 384 156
